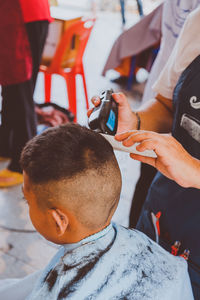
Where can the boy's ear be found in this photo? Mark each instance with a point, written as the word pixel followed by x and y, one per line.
pixel 61 221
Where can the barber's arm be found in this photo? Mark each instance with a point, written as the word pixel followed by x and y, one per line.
pixel 156 116
pixel 172 159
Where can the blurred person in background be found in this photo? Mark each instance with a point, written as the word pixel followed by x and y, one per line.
pixel 139 6
pixel 175 13
pixel 171 212
pixel 24 28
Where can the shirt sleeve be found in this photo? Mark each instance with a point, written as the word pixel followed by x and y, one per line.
pixel 185 51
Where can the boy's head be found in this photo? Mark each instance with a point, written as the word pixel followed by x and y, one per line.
pixel 72 182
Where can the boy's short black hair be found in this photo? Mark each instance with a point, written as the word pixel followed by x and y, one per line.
pixel 63 152
pixel 73 167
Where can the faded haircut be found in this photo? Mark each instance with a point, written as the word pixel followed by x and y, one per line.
pixel 73 161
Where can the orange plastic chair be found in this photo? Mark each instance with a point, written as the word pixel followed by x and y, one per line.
pixel 63 66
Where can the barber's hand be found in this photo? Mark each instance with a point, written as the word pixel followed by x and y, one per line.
pixel 172 159
pixel 126 118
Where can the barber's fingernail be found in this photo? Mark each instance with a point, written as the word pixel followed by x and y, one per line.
pixel 125 143
pixel 96 99
pixel 128 142
pixel 119 135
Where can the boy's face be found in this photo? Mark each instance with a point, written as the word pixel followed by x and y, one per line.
pixel 40 217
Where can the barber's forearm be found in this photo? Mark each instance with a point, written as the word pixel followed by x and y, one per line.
pixel 156 115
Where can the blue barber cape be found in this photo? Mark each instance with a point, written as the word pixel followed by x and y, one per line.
pixel 116 263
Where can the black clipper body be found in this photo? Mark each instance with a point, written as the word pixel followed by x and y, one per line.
pixel 104 117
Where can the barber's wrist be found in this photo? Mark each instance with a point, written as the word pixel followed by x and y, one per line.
pixel 137 120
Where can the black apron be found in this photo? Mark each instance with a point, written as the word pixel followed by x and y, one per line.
pixel 180 207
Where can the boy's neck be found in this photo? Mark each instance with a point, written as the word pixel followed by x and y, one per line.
pixel 93 237
pixel 80 233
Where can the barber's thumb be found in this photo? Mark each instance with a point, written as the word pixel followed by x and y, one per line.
pixel 120 98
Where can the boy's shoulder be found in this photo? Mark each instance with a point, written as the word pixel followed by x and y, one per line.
pixel 148 252
pixel 117 263
pixel 167 275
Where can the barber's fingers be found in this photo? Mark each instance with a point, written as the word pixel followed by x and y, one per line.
pixel 141 136
pixel 163 145
pixel 149 144
pixel 96 102
pixel 125 135
pixel 148 140
pixel 89 112
pixel 120 98
pixel 135 136
pixel 144 159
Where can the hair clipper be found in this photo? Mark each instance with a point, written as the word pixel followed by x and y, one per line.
pixel 104 118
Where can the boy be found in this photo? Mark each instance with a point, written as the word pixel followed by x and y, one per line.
pixel 72 184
